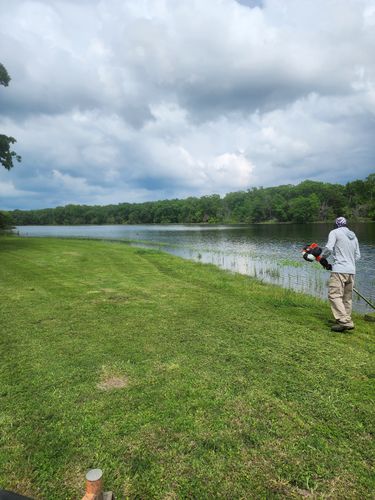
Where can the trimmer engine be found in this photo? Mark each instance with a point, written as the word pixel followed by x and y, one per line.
pixel 312 252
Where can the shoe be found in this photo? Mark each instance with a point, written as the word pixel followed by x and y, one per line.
pixel 332 322
pixel 341 328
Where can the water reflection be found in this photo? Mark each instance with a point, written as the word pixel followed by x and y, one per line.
pixel 270 253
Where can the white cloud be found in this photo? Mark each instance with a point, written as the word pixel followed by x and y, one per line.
pixel 9 190
pixel 70 183
pixel 232 170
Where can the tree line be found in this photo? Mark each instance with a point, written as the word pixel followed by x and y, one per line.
pixel 307 201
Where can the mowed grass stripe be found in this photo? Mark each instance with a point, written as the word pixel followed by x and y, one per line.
pixel 176 378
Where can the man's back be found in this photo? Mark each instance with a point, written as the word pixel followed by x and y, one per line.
pixel 343 244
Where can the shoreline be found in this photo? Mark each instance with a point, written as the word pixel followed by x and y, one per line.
pixel 209 224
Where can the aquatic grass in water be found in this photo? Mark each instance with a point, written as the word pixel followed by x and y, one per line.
pixel 273 273
pixel 292 263
pixel 262 266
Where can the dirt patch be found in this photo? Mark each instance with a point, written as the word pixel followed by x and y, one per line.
pixel 74 478
pixel 118 298
pixel 112 383
pixel 111 299
pixel 304 493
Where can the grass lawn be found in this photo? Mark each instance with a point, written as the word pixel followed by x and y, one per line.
pixel 179 380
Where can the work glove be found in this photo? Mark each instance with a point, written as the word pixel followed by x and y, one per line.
pixel 324 262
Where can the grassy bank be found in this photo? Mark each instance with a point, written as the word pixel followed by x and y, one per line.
pixel 177 379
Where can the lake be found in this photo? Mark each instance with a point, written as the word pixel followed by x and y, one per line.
pixel 269 252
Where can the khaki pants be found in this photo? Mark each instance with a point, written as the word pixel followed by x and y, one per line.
pixel 340 289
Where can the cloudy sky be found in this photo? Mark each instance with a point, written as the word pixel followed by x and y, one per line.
pixel 135 100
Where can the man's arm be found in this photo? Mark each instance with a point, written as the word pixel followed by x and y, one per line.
pixel 357 254
pixel 328 249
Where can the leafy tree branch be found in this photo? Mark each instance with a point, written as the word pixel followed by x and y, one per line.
pixel 7 156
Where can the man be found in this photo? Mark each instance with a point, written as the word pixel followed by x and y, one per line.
pixel 343 246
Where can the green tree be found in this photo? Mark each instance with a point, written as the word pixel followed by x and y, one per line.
pixel 304 208
pixel 279 208
pixel 233 206
pixel 370 182
pixel 6 220
pixel 7 156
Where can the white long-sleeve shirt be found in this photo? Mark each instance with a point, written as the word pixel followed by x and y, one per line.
pixel 343 245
